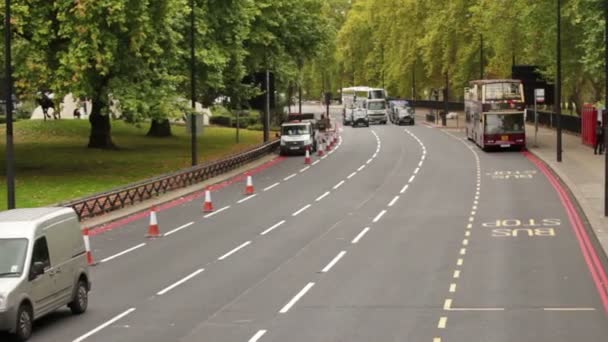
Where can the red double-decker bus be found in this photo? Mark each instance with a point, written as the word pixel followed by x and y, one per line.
pixel 494 111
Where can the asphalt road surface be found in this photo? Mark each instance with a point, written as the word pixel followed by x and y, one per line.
pixel 400 234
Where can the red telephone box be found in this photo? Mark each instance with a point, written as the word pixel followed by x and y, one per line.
pixel 588 124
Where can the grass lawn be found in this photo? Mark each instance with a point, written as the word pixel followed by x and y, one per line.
pixel 54 165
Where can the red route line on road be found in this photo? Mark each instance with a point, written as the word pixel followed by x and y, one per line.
pixel 589 253
pixel 198 194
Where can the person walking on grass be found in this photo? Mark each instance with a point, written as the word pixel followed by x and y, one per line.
pixel 599 139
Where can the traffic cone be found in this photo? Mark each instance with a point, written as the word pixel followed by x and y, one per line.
pixel 328 146
pixel 153 231
pixel 320 150
pixel 307 160
pixel 87 246
pixel 208 205
pixel 249 188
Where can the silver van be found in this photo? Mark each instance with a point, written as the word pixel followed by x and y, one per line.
pixel 43 266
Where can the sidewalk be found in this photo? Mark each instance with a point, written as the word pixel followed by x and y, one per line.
pixel 580 170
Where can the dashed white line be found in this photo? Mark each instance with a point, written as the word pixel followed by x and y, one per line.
pixel 103 326
pixel 257 336
pixel 325 156
pixel 459 262
pixel 569 309
pixel 447 304
pixel 477 309
pixel 246 198
pixel 443 321
pixel 369 161
pixel 333 262
pixel 304 169
pixel 295 299
pixel 469 226
pixel 463 251
pixel 395 199
pixel 351 175
pixel 467 233
pixel 123 253
pixel 272 228
pixel 290 177
pixel 178 283
pixel 436 339
pixel 338 185
pixel 471 219
pixel 217 211
pixel 272 186
pixel 316 162
pixel 360 235
pixel 178 228
pixel 411 179
pixel 404 189
pixel 361 168
pixel 322 196
pixel 457 274
pixel 379 216
pixel 452 288
pixel 465 242
pixel 420 164
pixel 416 171
pixel 245 244
pixel 301 210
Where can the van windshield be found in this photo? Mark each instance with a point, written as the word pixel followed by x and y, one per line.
pixel 12 257
pixel 376 105
pixel 295 130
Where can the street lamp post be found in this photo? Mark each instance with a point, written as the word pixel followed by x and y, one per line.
pixel 194 146
pixel 10 153
pixel 558 83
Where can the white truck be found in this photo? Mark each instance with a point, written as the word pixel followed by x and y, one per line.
pixel 297 137
pixel 377 111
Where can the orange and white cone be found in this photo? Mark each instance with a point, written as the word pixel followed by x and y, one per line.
pixel 87 246
pixel 208 205
pixel 320 152
pixel 328 146
pixel 249 188
pixel 153 231
pixel 307 160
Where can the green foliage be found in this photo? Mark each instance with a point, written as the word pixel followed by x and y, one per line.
pixel 221 120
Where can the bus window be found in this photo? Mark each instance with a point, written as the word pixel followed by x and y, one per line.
pixel 502 91
pixel 504 123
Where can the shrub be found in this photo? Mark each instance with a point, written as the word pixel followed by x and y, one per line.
pixel 243 122
pixel 221 120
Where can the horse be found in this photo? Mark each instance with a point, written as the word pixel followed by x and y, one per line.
pixel 45 101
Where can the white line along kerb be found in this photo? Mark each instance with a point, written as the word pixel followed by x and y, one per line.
pixel 379 216
pixel 179 228
pixel 257 336
pixel 295 299
pixel 217 211
pixel 103 326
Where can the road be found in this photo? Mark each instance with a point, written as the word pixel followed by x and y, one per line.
pixel 400 234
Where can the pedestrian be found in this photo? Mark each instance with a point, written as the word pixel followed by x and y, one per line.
pixel 599 139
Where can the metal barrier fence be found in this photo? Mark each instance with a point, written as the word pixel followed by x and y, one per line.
pixel 102 203
pixel 569 123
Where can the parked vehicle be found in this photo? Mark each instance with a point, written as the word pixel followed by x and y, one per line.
pixel 393 108
pixel 297 137
pixel 405 116
pixel 43 266
pixel 377 111
pixel 360 117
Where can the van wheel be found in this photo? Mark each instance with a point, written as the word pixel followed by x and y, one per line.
pixel 25 320
pixel 81 299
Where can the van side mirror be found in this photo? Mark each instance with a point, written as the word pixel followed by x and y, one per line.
pixel 36 270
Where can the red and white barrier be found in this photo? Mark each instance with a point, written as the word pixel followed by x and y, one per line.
pixel 249 188
pixel 208 205
pixel 153 230
pixel 307 159
pixel 87 246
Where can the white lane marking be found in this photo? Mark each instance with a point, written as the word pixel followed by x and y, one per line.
pixel 411 179
pixel 301 210
pixel 404 189
pixel 351 175
pixel 316 162
pixel 477 309
pixel 360 235
pixel 322 196
pixel 459 262
pixel 217 211
pixel 463 251
pixel 452 288
pixel 295 299
pixel 465 242
pixel 122 253
pixel 471 219
pixel 361 168
pixel 178 229
pixel 272 228
pixel 369 161
pixel 245 244
pixel 436 339
pixel 333 262
pixel 375 154
pixel 379 216
pixel 420 164
pixel 179 282
pixel 290 177
pixel 393 201
pixel 457 274
pixel 338 185
pixel 474 207
pixel 103 326
pixel 257 336
pixel 467 233
pixel 469 226
pixel 569 309
pixel 325 156
pixel 246 198
pixel 447 304
pixel 304 169
pixel 473 213
pixel 443 321
pixel 417 170
pixel 272 186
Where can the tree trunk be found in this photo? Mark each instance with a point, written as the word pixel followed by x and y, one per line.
pixel 160 129
pixel 100 127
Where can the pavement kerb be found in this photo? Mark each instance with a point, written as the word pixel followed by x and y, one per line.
pixel 588 215
pixel 173 195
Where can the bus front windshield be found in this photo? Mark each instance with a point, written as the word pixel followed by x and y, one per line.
pixel 376 105
pixel 502 91
pixel 504 123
